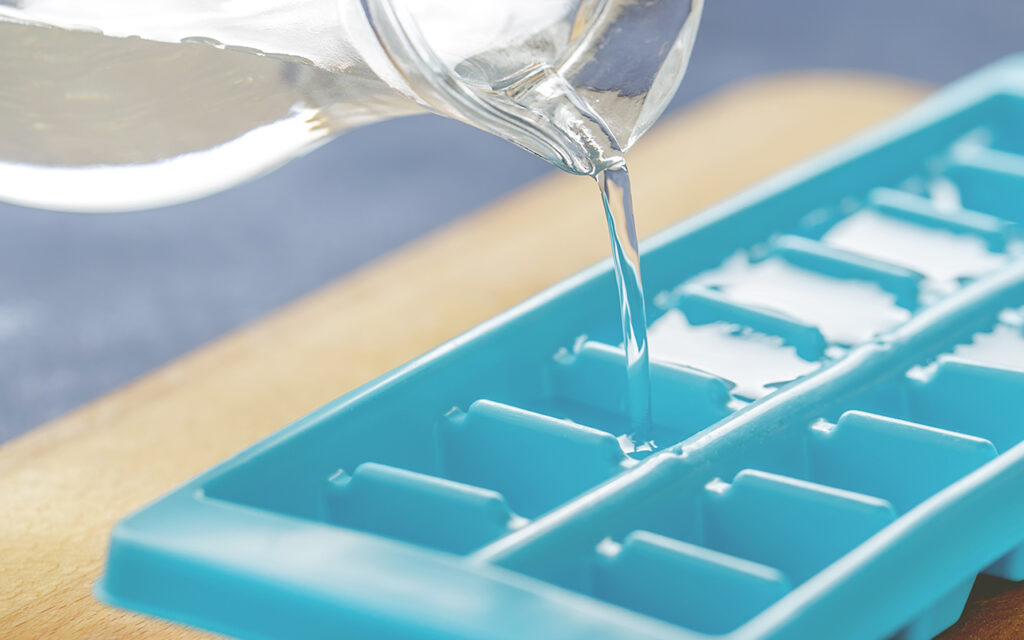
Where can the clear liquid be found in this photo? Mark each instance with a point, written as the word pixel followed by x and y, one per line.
pixel 941 255
pixel 847 312
pixel 594 150
pixel 117 105
pixel 618 207
pixel 756 363
pixel 91 122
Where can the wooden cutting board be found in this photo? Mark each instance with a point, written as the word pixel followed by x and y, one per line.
pixel 65 484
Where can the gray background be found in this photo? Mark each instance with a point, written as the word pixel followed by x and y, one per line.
pixel 90 302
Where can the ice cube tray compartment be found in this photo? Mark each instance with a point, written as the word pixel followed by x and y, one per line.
pixel 836 443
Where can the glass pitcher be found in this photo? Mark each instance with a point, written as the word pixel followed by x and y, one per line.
pixel 126 104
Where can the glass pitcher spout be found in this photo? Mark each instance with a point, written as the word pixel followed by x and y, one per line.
pixel 119 104
pixel 579 105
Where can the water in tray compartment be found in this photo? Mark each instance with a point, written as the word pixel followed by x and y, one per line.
pixel 1002 347
pixel 753 361
pixel 847 311
pixel 938 254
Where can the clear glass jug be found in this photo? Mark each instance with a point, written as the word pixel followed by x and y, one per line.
pixel 125 104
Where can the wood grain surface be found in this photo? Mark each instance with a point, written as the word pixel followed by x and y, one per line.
pixel 64 485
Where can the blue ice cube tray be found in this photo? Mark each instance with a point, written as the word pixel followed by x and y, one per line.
pixel 838 406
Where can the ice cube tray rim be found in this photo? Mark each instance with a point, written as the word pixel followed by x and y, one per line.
pixel 961 97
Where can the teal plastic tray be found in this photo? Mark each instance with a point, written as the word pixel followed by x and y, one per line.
pixel 838 395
